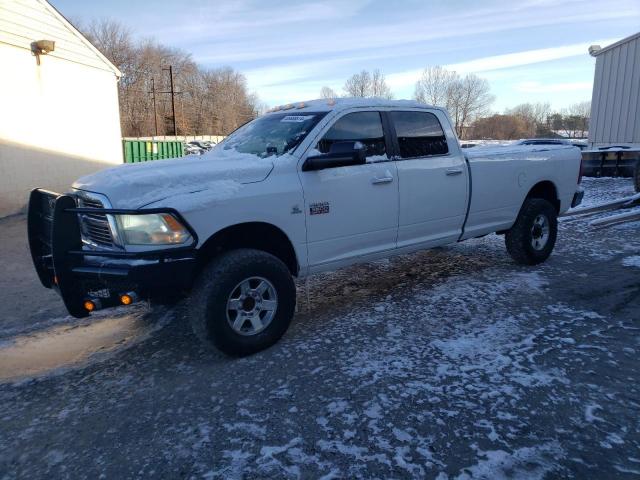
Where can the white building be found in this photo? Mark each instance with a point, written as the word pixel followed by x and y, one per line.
pixel 59 114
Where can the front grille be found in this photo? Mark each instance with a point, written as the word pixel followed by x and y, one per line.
pixel 95 226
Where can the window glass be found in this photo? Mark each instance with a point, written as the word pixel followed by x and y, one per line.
pixel 419 134
pixel 364 127
pixel 272 134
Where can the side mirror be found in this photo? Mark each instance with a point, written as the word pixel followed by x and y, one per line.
pixel 341 154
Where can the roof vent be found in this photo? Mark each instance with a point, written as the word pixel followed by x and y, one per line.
pixel 594 50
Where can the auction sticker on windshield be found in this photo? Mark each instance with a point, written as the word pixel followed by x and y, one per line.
pixel 297 118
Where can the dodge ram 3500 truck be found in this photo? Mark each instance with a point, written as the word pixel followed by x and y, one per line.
pixel 305 188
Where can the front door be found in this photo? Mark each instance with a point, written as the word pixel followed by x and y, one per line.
pixel 433 180
pixel 351 211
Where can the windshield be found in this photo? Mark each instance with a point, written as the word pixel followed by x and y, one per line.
pixel 273 134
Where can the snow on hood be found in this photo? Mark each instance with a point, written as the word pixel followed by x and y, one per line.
pixel 135 185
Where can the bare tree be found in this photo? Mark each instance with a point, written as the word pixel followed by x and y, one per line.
pixel 581 114
pixel 210 101
pixel 573 121
pixel 466 99
pixel 535 116
pixel 327 92
pixel 366 84
pixel 114 40
pixel 379 87
pixel 435 86
pixel 472 99
pixel 358 85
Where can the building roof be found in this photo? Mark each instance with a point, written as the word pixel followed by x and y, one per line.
pixel 595 52
pixel 26 21
pixel 54 11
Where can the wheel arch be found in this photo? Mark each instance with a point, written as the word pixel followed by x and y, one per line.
pixel 545 190
pixel 257 235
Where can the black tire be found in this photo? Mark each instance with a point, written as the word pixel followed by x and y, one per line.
pixel 636 176
pixel 520 238
pixel 207 305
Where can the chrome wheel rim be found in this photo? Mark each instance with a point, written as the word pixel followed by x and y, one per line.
pixel 251 306
pixel 540 232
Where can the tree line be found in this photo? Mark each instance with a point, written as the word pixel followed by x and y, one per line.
pixel 208 101
pixel 529 120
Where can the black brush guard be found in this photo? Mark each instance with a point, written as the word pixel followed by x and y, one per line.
pixel 74 271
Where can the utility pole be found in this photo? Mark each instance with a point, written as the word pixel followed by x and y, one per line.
pixel 173 99
pixel 155 114
pixel 173 94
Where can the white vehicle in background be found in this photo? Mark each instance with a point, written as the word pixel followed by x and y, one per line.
pixel 306 188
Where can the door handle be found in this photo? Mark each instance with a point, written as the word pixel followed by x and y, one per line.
pixel 381 180
pixel 454 171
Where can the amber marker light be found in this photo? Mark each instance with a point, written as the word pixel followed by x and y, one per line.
pixel 89 306
pixel 126 299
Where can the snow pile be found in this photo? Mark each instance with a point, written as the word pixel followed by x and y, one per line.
pixel 633 261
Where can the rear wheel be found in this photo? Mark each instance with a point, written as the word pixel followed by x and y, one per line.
pixel 531 239
pixel 243 302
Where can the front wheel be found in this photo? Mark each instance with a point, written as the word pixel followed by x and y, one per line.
pixel 243 302
pixel 531 239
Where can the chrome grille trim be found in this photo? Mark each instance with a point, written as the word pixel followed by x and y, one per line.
pixel 98 230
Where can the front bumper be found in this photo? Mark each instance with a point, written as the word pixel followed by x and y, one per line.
pixel 78 273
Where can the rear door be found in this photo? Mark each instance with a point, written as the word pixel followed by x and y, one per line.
pixel 351 211
pixel 433 178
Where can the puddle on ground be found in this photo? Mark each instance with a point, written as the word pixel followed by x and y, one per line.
pixel 68 346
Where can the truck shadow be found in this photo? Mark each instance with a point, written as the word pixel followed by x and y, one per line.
pixel 397 276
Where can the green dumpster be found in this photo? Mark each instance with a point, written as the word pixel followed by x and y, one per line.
pixel 146 150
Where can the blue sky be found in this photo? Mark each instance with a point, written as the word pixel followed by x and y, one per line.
pixel 529 50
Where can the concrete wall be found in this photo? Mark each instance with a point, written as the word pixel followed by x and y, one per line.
pixel 615 104
pixel 60 119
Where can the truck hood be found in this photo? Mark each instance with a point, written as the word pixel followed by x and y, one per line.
pixel 139 184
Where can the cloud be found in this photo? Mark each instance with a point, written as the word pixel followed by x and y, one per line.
pixel 246 18
pixel 499 62
pixel 334 32
pixel 538 87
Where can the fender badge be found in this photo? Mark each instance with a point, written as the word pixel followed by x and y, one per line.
pixel 295 210
pixel 319 208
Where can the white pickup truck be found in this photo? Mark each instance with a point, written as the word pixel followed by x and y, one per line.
pixel 304 188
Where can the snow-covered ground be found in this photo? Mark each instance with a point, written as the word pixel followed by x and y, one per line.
pixel 449 363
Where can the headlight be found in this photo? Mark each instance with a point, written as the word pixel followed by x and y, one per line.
pixel 152 229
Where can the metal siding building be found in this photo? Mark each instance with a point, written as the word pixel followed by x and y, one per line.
pixel 615 104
